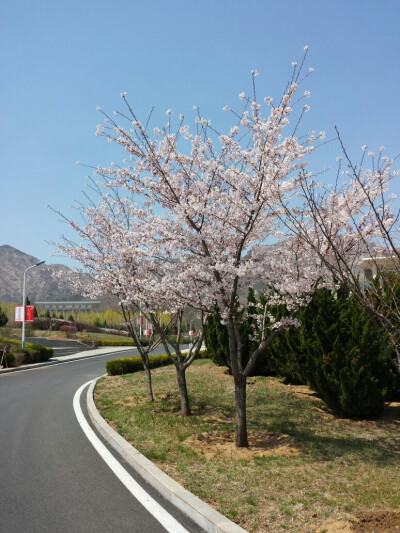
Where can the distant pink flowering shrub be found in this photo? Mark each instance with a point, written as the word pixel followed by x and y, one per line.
pixel 68 330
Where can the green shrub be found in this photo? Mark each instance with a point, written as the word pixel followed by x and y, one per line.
pixel 126 365
pixel 129 365
pixel 39 353
pixel 184 340
pixel 353 377
pixel 8 360
pixel 34 353
pixel 339 353
pixel 3 318
pixel 29 330
pixel 216 340
pixel 217 343
pixel 145 342
pixel 112 342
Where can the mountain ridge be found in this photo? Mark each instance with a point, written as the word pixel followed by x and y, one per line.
pixel 41 285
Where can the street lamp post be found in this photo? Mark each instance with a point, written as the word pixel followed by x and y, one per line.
pixel 24 301
pixel 190 329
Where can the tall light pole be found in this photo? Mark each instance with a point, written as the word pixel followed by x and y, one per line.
pixel 24 301
pixel 140 319
pixel 190 329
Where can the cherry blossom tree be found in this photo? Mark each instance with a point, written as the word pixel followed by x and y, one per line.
pixel 211 202
pixel 212 213
pixel 353 228
pixel 118 259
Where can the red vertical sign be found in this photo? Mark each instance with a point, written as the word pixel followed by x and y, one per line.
pixel 29 309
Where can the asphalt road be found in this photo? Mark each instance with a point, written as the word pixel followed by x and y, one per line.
pixel 51 478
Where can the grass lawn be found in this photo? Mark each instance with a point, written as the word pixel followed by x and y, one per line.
pixel 60 335
pixel 305 467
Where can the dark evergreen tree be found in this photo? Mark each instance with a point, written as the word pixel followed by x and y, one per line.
pixel 216 340
pixel 3 318
pixel 339 353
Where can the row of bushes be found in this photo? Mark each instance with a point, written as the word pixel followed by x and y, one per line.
pixel 32 353
pixel 119 342
pixel 45 324
pixel 56 324
pixel 107 342
pixel 183 340
pixel 129 365
pixel 337 351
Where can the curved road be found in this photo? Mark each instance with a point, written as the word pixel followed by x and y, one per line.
pixel 51 478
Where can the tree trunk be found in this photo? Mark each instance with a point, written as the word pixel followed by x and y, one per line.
pixel 146 367
pixel 181 378
pixel 143 354
pixel 241 421
pixel 240 385
pixel 150 396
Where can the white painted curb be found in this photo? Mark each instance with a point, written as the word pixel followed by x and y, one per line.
pixel 200 512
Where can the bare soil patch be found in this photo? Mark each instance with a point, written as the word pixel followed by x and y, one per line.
pixel 378 521
pixel 372 521
pixel 222 445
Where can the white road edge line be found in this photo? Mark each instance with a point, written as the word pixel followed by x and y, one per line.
pixel 154 508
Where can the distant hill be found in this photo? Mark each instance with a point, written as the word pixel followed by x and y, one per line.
pixel 40 283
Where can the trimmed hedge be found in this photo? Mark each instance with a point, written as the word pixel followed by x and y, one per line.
pixel 38 353
pixel 112 342
pixel 109 342
pixel 184 339
pixel 34 353
pixel 129 365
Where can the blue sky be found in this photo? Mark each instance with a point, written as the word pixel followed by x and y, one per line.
pixel 62 59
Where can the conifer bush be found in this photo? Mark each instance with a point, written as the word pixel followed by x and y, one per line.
pixel 3 318
pixel 338 351
pixel 216 337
